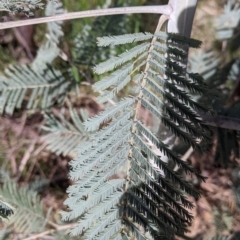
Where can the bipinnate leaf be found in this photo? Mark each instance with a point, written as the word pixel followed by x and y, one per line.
pixel 149 199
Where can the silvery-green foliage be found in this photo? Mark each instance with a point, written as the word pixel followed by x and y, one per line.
pixel 227 140
pixel 205 63
pixel 228 21
pixel 38 184
pixel 63 137
pixel 62 235
pixel 49 49
pixel 234 72
pixel 219 237
pixel 108 205
pixel 28 214
pixel 5 210
pixel 86 50
pixel 55 31
pixel 42 89
pixel 221 75
pixel 5 234
pixel 39 83
pixel 21 6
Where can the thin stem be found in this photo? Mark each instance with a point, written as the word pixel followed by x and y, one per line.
pixel 164 9
pixel 59 228
pixel 4 9
pixel 221 121
pixel 162 20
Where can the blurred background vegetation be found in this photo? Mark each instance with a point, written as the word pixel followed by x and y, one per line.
pixel 32 161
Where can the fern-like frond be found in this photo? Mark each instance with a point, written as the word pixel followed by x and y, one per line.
pixel 63 137
pixel 116 123
pixel 219 237
pixel 99 210
pixel 5 234
pixel 177 118
pixel 86 49
pixel 204 63
pixel 228 21
pixel 97 163
pixel 175 91
pixel 178 39
pixel 192 87
pixel 29 216
pixel 173 101
pixel 235 70
pixel 163 47
pixel 102 225
pixel 174 128
pixel 49 50
pixel 94 123
pixel 110 189
pixel 5 210
pixel 164 148
pixel 113 78
pixel 38 184
pixel 114 227
pixel 154 215
pixel 94 179
pixel 123 39
pixel 152 193
pixel 54 28
pixel 111 94
pixel 21 6
pixel 121 59
pixel 134 231
pixel 162 165
pixel 151 174
pixel 40 89
pixel 45 55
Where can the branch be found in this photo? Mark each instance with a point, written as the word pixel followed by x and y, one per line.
pixel 164 9
pixel 181 19
pixel 161 21
pixel 221 122
pixel 218 121
pixel 51 231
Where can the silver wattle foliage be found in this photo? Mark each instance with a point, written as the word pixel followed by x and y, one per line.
pixel 149 200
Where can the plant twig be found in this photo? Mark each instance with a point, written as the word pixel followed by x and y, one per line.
pixel 59 228
pixel 221 122
pixel 186 155
pixel 164 9
pixel 162 20
pixel 218 121
pixel 26 157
